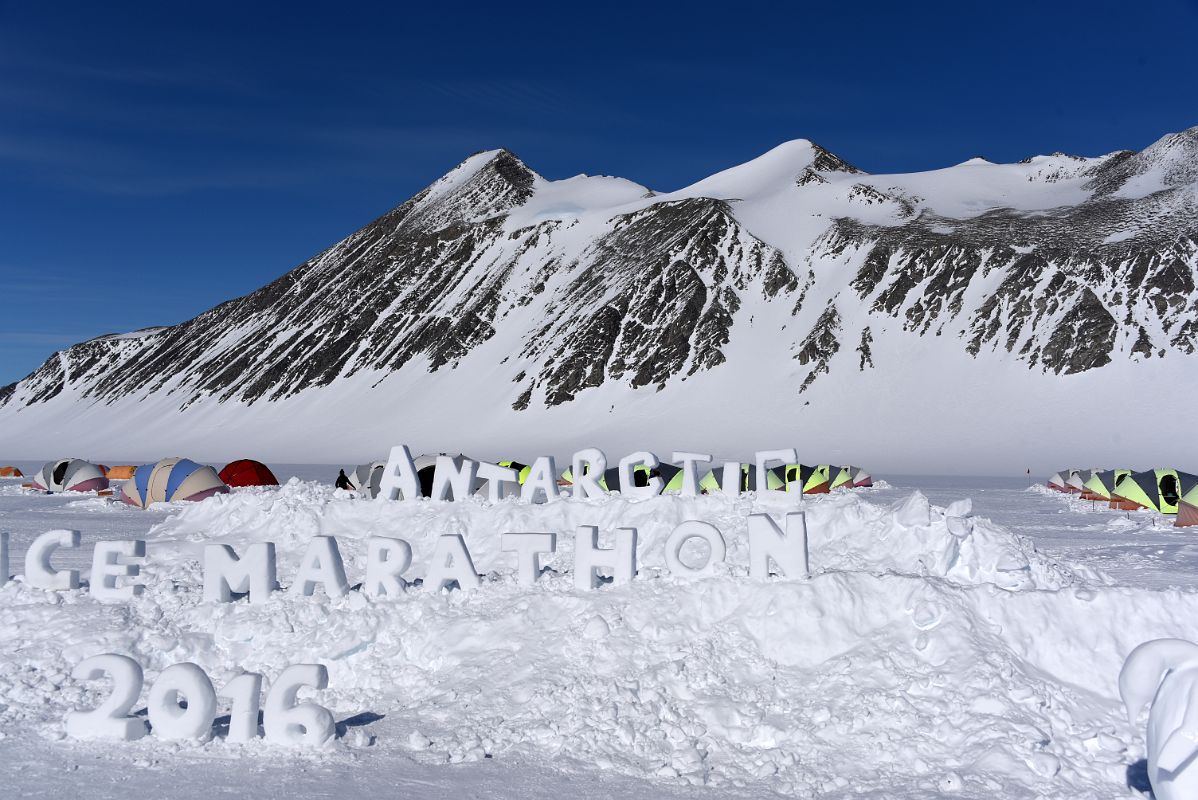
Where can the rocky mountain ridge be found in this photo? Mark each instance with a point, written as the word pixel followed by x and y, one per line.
pixel 1060 263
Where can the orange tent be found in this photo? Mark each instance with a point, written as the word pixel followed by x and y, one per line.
pixel 11 472
pixel 121 473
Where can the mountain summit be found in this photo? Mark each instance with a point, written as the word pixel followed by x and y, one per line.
pixel 792 298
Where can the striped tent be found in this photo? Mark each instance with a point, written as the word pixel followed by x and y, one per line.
pixel 70 475
pixel 805 479
pixel 1101 484
pixel 714 480
pixel 671 477
pixel 169 481
pixel 861 478
pixel 841 477
pixel 1056 480
pixel 366 478
pixel 1076 482
pixel 1187 504
pixel 1155 488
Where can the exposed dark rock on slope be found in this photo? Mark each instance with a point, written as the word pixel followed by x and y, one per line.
pixel 1064 263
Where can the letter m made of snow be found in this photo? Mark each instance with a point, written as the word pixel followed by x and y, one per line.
pixel 225 574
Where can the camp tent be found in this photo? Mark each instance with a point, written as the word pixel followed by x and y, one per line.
pixel 1155 488
pixel 671 477
pixel 1101 484
pixel 861 478
pixel 171 480
pixel 1056 480
pixel 70 475
pixel 1075 483
pixel 121 473
pixel 840 477
pixel 247 472
pixel 366 478
pixel 11 472
pixel 748 479
pixel 805 479
pixel 1187 504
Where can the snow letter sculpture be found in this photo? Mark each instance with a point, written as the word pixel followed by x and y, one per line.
pixel 39 573
pixel 732 480
pixel 542 478
pixel 287 722
pixel 321 564
pixel 528 548
pixel 451 563
pixel 453 478
pixel 717 549
pixel 494 477
pixel 225 573
pixel 246 693
pixel 109 720
pixel 107 567
pixel 172 720
pixel 764 458
pixel 585 470
pixel 628 486
pixel 787 550
pixel 1163 674
pixel 399 481
pixel 588 557
pixel 386 561
pixel 690 471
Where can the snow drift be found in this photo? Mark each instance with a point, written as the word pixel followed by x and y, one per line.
pixel 931 651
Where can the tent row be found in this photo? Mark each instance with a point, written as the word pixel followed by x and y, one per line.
pixel 168 480
pixel 822 478
pixel 1167 491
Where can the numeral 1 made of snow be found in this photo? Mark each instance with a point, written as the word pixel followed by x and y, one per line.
pixel 285 720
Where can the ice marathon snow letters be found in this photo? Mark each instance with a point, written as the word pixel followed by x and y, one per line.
pixel 773 549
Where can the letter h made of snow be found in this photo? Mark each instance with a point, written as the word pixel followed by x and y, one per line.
pixel 589 557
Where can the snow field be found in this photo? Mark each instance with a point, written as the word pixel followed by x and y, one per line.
pixel 931 652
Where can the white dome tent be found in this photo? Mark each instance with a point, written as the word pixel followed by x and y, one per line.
pixel 70 475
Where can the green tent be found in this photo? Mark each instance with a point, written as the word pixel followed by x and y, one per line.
pixel 521 469
pixel 1155 488
pixel 1102 483
pixel 805 479
pixel 842 476
pixel 748 479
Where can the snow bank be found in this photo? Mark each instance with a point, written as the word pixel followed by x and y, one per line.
pixel 931 651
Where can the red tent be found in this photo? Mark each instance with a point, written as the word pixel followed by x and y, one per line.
pixel 248 473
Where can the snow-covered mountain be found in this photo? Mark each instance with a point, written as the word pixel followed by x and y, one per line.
pixel 979 316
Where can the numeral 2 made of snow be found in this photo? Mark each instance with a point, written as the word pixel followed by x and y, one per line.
pixel 285 720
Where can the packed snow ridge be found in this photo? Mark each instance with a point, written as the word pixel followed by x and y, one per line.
pixel 499 310
pixel 931 651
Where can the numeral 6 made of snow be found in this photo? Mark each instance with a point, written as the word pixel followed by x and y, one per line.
pixel 285 721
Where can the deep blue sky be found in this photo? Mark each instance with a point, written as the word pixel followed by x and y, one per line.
pixel 157 159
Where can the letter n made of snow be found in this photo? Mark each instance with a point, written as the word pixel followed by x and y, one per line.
pixel 786 549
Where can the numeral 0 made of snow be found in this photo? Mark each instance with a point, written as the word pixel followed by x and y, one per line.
pixel 285 720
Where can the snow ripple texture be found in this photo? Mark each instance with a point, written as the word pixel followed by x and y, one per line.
pixel 931 652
